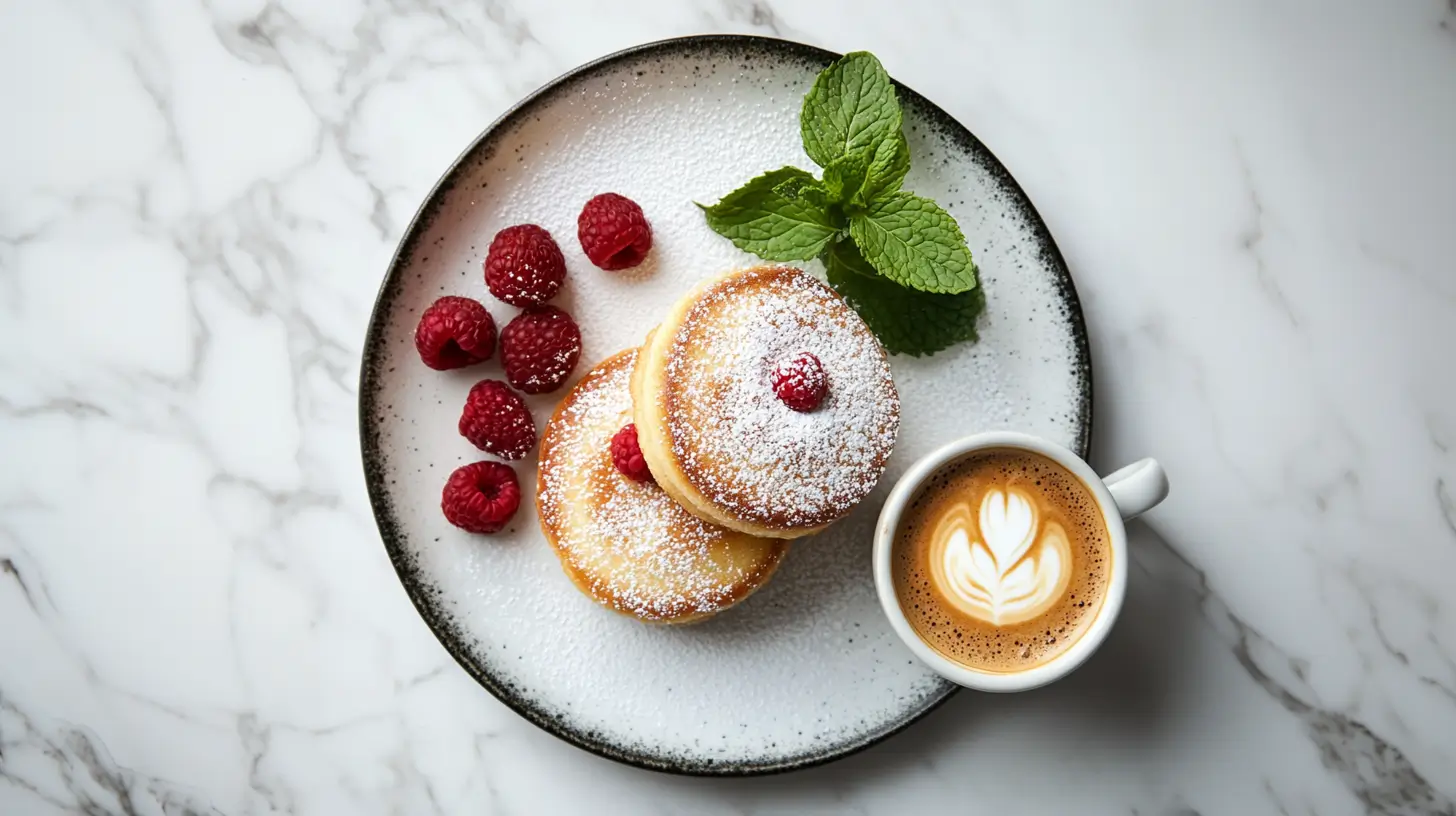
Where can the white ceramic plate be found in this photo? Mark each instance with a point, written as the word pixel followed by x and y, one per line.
pixel 806 670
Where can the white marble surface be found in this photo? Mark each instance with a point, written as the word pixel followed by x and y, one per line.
pixel 198 199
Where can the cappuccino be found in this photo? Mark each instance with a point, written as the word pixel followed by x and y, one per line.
pixel 1002 560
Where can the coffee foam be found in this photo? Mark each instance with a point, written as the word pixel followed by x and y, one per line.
pixel 1066 553
pixel 1002 565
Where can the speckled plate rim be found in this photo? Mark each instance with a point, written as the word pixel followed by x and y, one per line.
pixel 420 592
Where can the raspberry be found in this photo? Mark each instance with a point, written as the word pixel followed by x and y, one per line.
pixel 524 266
pixel 613 231
pixel 540 348
pixel 627 455
pixel 455 332
pixel 497 421
pixel 800 382
pixel 481 497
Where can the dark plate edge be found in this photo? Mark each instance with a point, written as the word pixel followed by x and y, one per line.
pixel 374 341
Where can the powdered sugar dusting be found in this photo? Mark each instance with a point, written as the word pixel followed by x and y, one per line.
pixel 737 442
pixel 636 549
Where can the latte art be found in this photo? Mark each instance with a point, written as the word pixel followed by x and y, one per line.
pixel 1002 560
pixel 1010 568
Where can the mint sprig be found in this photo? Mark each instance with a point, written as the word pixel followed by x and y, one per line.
pixel 899 259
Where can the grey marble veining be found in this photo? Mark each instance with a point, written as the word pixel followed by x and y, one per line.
pixel 197 201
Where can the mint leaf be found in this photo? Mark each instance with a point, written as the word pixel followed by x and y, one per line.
pixel 888 167
pixel 845 176
pixel 914 243
pixel 906 321
pixel 805 187
pixel 759 219
pixel 851 107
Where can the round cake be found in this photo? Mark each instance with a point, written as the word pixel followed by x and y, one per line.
pixel 719 438
pixel 627 544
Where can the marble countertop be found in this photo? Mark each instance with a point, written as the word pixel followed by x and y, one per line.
pixel 198 200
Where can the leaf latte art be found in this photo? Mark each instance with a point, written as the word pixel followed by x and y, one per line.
pixel 1003 565
pixel 1001 561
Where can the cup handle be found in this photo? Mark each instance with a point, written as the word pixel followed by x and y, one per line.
pixel 1138 487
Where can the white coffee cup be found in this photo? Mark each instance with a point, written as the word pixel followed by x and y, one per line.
pixel 1124 494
